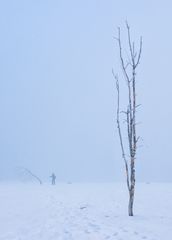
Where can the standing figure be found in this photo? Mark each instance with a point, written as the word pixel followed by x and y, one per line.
pixel 53 179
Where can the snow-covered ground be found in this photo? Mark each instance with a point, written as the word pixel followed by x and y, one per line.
pixel 84 212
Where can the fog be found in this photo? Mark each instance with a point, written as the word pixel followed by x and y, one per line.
pixel 58 95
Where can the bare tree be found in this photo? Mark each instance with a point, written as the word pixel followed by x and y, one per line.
pixel 129 65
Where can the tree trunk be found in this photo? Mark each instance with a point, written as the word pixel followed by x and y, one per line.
pixel 131 202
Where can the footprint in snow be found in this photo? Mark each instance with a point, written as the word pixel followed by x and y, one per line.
pixel 94 226
pixel 87 231
pixel 107 237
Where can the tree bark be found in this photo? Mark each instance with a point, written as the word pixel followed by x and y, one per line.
pixel 131 203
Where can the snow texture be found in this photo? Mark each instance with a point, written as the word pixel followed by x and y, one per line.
pixel 96 211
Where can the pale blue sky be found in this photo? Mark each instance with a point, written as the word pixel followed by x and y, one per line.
pixel 58 96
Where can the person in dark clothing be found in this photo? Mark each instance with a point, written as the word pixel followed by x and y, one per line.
pixel 53 179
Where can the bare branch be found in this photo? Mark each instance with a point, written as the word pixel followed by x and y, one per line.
pixel 127 78
pixel 120 134
pixel 137 139
pixel 121 57
pixel 130 45
pixel 140 52
pixel 137 106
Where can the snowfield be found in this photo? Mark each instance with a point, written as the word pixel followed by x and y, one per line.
pixel 96 211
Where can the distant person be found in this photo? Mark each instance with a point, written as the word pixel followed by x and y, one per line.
pixel 53 179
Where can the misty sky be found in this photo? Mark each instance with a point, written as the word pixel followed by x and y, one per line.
pixel 58 96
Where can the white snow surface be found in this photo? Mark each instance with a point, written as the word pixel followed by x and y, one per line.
pixel 84 211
